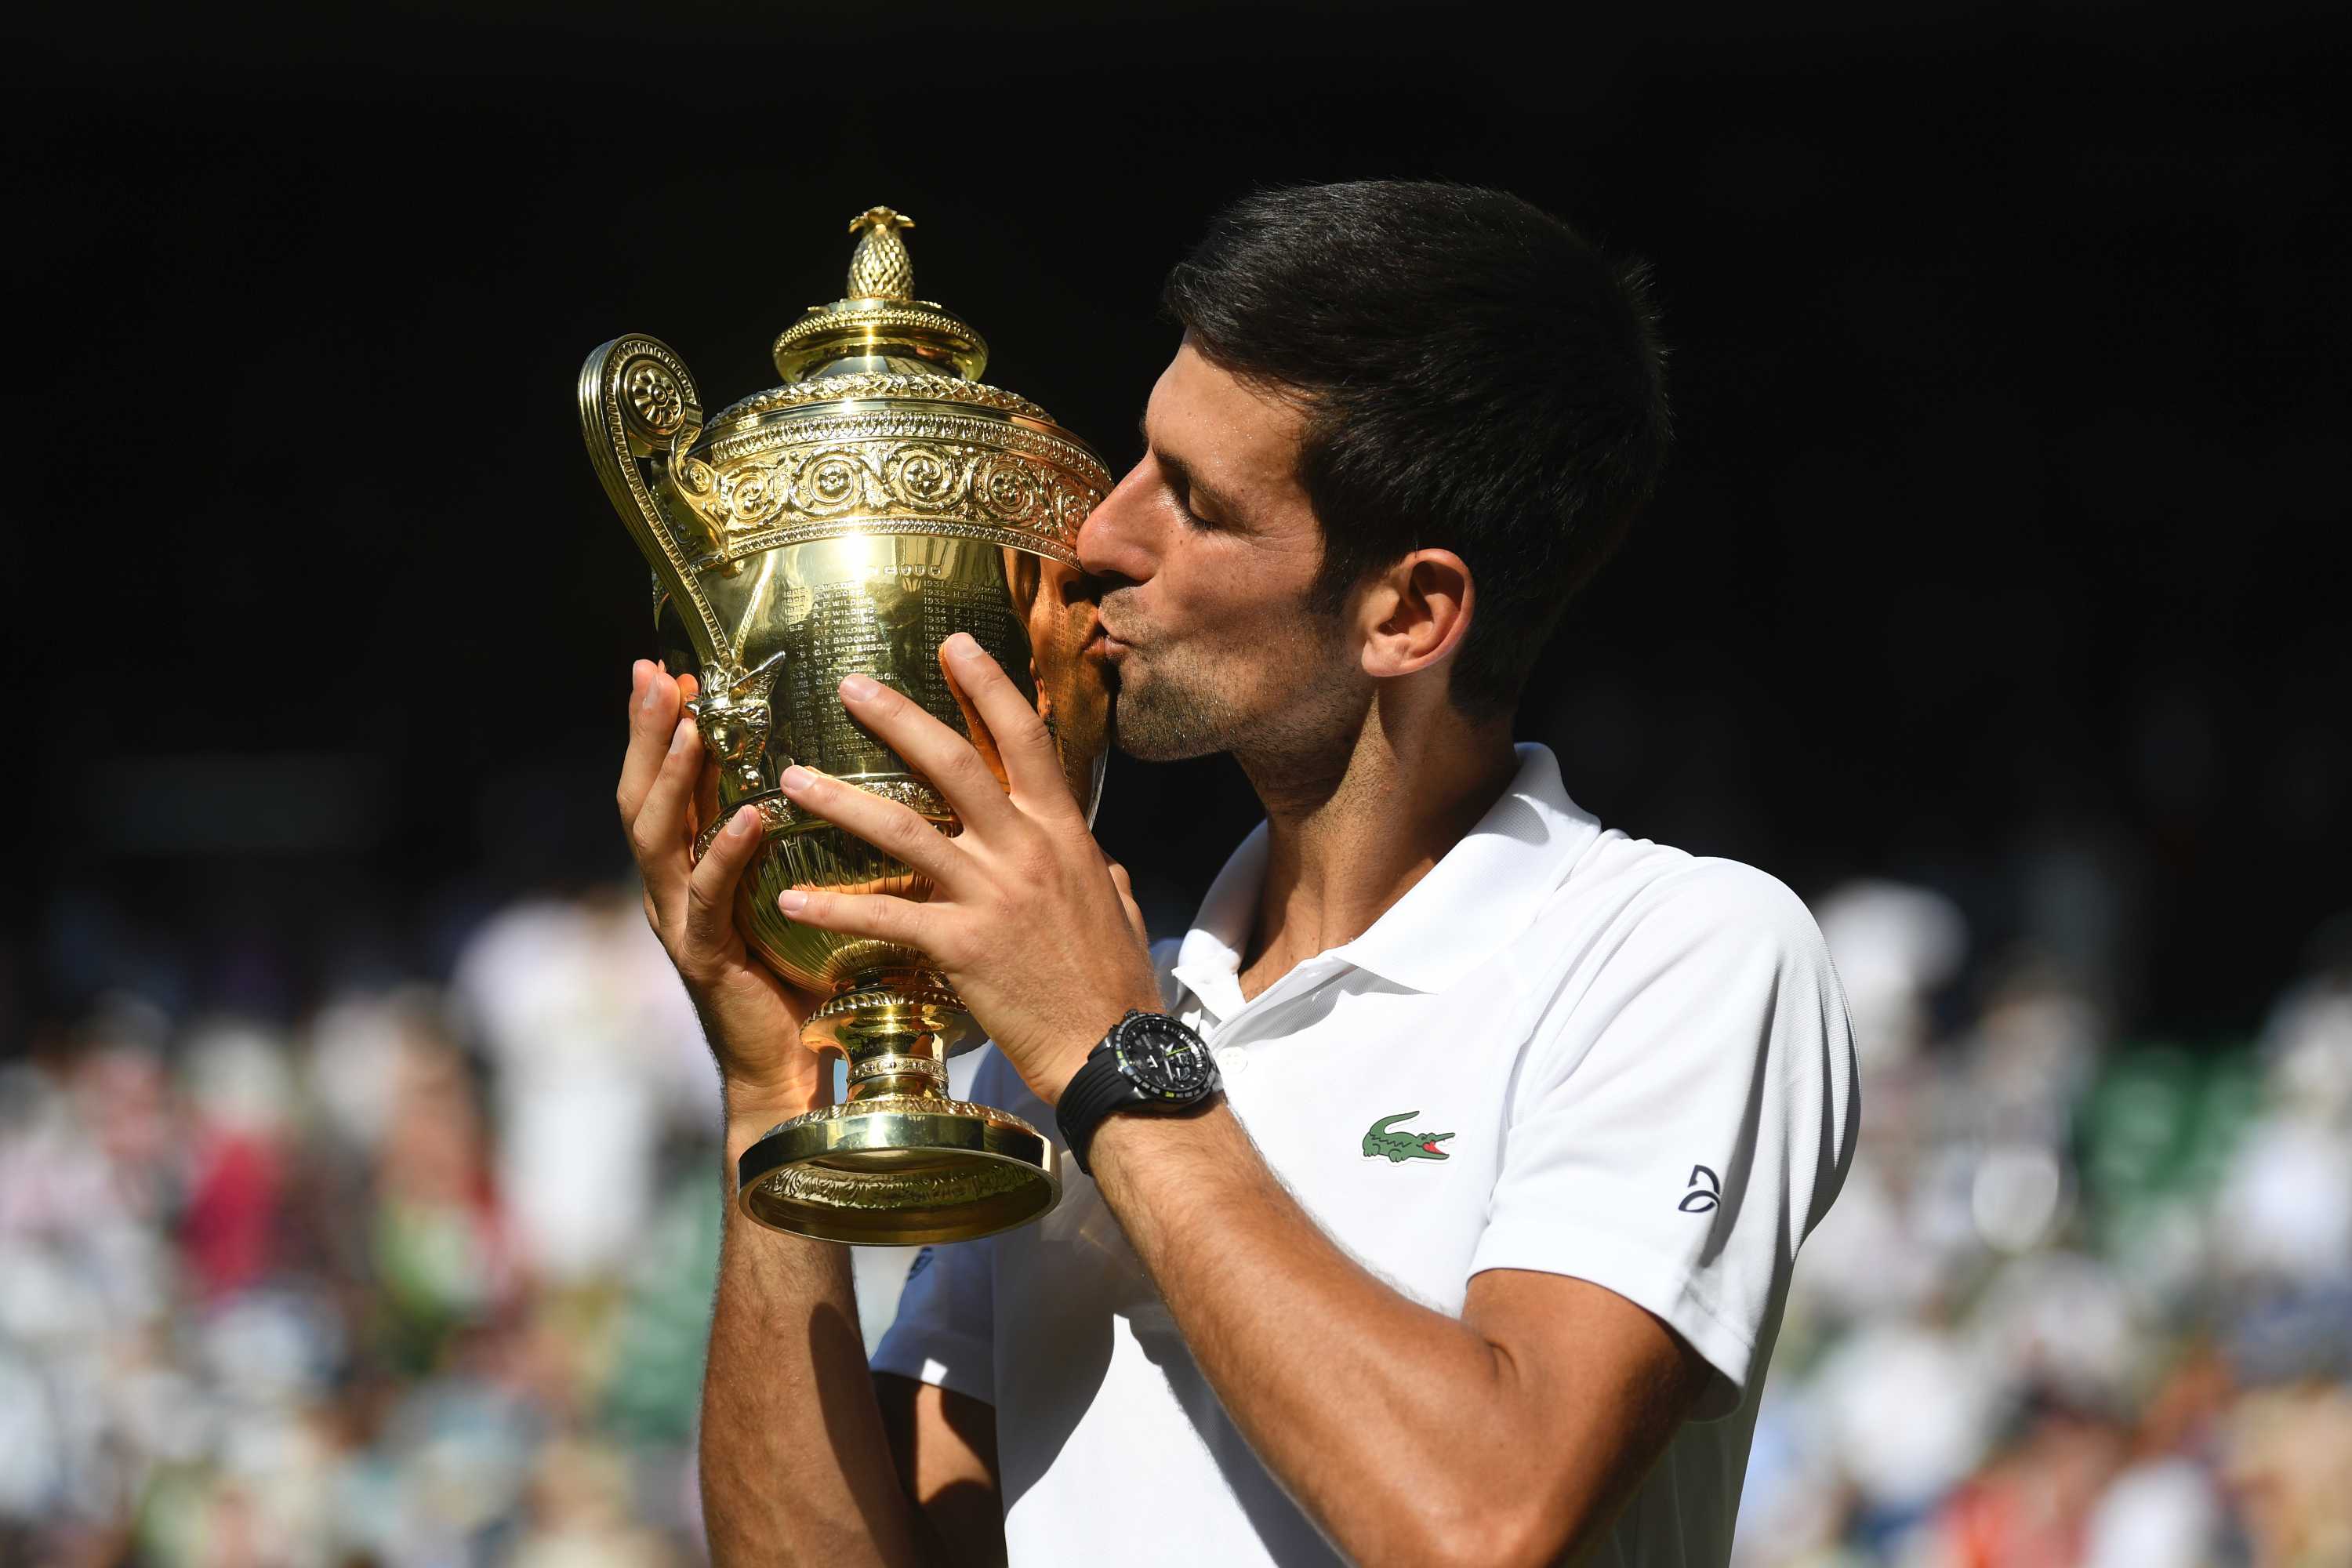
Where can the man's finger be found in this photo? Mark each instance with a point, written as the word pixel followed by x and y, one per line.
pixel 1119 880
pixel 895 829
pixel 878 915
pixel 652 716
pixel 710 927
pixel 975 724
pixel 661 836
pixel 931 749
pixel 1023 743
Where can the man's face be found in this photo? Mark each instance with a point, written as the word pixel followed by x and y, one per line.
pixel 1206 551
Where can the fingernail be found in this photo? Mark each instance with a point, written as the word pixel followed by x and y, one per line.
pixel 963 645
pixel 679 736
pixel 653 695
pixel 637 675
pixel 858 688
pixel 746 821
pixel 791 901
pixel 797 777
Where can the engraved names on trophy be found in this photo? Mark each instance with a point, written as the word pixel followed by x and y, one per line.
pixel 888 626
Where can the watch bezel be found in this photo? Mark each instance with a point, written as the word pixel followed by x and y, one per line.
pixel 1172 1038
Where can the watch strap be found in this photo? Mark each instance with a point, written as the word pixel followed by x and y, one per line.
pixel 1097 1088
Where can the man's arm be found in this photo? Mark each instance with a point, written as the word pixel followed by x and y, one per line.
pixel 944 1445
pixel 1511 1435
pixel 795 1466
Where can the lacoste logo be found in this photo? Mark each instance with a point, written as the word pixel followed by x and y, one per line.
pixel 1380 1143
pixel 1699 1200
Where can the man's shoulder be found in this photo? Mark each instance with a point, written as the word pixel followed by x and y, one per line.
pixel 1679 966
pixel 1664 896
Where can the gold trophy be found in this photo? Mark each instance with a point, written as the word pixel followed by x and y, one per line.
pixel 848 521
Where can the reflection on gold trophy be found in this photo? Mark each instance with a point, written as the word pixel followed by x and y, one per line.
pixel 850 520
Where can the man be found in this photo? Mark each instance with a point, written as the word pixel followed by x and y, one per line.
pixel 1473 1247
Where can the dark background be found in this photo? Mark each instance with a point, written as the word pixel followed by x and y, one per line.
pixel 2002 549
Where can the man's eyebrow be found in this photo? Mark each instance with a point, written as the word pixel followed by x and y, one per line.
pixel 1182 474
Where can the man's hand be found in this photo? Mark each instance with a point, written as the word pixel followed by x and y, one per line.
pixel 751 1016
pixel 1037 929
pixel 785 1391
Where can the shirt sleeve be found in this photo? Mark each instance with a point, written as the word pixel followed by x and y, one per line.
pixel 944 1332
pixel 1685 1115
pixel 945 1329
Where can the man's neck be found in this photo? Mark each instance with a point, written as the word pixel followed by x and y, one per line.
pixel 1351 831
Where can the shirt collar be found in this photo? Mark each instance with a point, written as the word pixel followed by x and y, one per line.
pixel 1481 893
pixel 1208 960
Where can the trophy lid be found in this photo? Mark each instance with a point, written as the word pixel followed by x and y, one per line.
pixel 881 425
pixel 878 324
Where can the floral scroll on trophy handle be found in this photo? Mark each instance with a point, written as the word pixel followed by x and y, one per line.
pixel 641 416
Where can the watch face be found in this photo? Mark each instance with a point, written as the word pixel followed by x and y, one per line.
pixel 1162 1057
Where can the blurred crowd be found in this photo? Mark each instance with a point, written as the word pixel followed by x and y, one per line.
pixel 2082 1301
pixel 420 1278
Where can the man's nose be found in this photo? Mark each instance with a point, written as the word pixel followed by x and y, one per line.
pixel 1115 538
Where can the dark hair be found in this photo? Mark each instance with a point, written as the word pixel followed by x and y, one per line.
pixel 1476 377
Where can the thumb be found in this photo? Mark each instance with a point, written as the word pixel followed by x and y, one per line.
pixel 711 891
pixel 1134 911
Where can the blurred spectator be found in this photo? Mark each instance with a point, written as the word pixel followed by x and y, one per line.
pixel 590 1034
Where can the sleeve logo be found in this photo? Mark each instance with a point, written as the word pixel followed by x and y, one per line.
pixel 1700 1199
pixel 1383 1142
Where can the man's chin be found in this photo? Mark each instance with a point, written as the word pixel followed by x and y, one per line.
pixel 1157 753
pixel 1156 745
pixel 1152 731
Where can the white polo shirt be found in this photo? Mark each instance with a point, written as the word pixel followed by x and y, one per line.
pixel 1563 1050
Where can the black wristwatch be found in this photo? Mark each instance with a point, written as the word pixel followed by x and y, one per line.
pixel 1148 1061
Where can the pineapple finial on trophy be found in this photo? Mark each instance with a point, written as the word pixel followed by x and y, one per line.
pixel 879 326
pixel 880 269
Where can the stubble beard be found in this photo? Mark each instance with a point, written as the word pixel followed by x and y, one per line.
pixel 1164 720
pixel 1167 716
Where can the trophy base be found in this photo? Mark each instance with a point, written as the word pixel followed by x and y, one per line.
pixel 899 1170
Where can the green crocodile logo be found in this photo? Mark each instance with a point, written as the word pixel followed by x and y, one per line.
pixel 1380 1142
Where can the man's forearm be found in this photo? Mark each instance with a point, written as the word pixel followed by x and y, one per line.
pixel 1390 1422
pixel 795 1467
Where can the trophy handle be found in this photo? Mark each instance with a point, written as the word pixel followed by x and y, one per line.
pixel 640 413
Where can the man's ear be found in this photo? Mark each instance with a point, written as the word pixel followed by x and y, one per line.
pixel 1415 613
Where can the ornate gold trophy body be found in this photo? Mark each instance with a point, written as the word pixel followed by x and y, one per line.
pixel 849 522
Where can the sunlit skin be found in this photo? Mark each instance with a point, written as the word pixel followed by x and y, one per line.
pixel 1343 724
pixel 1505 1435
pixel 1205 551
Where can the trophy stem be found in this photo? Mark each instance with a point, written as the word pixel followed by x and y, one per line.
pixel 898 1161
pixel 896 1030
pixel 898 1074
